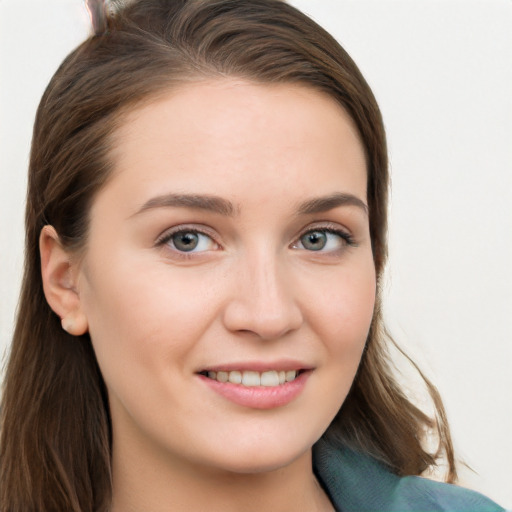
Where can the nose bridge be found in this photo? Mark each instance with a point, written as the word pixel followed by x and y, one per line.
pixel 264 301
pixel 268 282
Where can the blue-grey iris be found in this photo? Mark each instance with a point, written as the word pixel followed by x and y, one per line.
pixel 185 241
pixel 314 240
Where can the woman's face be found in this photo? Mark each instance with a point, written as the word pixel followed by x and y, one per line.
pixel 231 242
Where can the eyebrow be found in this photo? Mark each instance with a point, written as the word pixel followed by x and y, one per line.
pixel 224 207
pixel 324 204
pixel 200 202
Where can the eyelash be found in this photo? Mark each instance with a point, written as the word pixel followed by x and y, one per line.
pixel 347 238
pixel 166 237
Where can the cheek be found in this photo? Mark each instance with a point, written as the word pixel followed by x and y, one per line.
pixel 340 315
pixel 144 326
pixel 143 316
pixel 348 301
pixel 343 317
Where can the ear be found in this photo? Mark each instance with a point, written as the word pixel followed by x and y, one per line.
pixel 59 274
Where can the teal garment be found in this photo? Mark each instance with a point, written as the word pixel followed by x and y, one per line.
pixel 359 483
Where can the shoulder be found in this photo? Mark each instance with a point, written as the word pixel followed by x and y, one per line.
pixel 356 482
pixel 434 496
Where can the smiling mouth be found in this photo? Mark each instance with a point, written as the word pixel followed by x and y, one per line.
pixel 248 378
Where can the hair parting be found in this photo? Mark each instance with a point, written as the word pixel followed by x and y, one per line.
pixel 98 14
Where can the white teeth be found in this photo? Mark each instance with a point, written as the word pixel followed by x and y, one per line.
pixel 270 379
pixel 221 376
pixel 235 377
pixel 249 378
pixel 290 375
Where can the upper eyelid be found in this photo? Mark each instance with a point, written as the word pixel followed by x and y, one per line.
pixel 330 227
pixel 338 232
pixel 168 233
pixel 165 240
pixel 333 227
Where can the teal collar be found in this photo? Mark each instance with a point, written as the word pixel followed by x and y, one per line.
pixel 358 483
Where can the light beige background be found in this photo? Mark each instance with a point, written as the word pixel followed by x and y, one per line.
pixel 442 73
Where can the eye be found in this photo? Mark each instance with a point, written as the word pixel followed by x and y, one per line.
pixel 189 240
pixel 325 240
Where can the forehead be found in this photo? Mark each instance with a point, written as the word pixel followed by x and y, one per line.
pixel 234 135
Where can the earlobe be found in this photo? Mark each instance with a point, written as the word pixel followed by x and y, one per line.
pixel 75 324
pixel 59 277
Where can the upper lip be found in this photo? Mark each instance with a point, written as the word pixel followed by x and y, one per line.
pixel 259 366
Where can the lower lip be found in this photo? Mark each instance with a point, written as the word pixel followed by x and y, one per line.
pixel 259 397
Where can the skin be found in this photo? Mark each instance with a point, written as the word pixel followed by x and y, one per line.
pixel 251 293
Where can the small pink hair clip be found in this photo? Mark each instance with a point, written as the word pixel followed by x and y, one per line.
pixel 98 13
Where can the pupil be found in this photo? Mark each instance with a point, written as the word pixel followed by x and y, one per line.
pixel 185 241
pixel 314 241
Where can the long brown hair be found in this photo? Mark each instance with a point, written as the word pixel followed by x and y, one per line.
pixel 55 424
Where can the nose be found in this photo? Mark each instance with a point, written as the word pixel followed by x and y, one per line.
pixel 263 301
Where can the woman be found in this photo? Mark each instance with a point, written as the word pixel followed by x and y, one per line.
pixel 200 324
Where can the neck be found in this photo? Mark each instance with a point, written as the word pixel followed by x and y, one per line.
pixel 159 485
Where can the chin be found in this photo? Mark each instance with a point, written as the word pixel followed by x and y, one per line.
pixel 262 456
pixel 261 466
